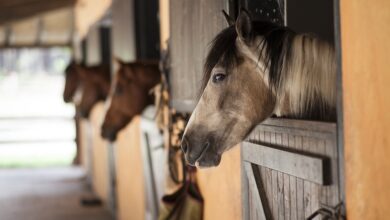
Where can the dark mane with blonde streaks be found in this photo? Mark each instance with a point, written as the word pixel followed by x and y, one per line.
pixel 276 47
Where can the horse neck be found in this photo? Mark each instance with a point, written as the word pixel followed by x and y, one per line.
pixel 151 76
pixel 308 78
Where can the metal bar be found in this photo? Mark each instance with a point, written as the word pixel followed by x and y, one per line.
pixel 151 171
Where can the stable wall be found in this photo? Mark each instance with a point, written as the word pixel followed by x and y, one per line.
pixel 221 188
pixel 85 141
pixel 365 32
pixel 130 178
pixel 100 174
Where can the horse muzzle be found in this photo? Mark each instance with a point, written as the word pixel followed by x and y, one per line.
pixel 109 134
pixel 200 153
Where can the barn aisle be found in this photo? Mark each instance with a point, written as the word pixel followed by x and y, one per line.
pixel 46 194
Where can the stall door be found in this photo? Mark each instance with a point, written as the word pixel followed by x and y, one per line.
pixel 291 170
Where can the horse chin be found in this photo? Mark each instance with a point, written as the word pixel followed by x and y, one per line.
pixel 84 114
pixel 209 160
pixel 109 135
pixel 67 99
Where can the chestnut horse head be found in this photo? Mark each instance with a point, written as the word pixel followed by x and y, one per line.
pixel 95 85
pixel 72 81
pixel 256 69
pixel 130 94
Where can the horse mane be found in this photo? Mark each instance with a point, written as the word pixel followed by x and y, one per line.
pixel 101 69
pixel 70 66
pixel 291 62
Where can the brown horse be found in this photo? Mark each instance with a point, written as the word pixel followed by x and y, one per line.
pixel 130 95
pixel 95 85
pixel 254 70
pixel 72 81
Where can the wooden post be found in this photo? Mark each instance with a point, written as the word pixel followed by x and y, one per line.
pixel 365 32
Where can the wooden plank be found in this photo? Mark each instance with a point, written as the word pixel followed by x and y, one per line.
pixel 281 139
pixel 308 167
pixel 255 190
pixel 279 184
pixel 268 178
pixel 296 131
pixel 264 175
pixel 288 193
pixel 333 192
pixel 315 188
pixel 274 182
pixel 324 189
pixel 311 126
pixel 281 212
pixel 306 185
pixel 299 185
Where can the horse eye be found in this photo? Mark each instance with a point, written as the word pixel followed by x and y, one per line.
pixel 219 77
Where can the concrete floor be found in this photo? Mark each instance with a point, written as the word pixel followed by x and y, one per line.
pixel 46 194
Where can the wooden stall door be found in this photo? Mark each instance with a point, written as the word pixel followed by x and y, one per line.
pixel 291 169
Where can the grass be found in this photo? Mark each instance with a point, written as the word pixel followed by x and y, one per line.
pixel 36 155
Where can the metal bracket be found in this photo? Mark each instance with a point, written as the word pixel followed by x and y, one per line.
pixel 330 213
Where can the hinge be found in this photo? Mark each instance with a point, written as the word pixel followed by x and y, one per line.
pixel 330 213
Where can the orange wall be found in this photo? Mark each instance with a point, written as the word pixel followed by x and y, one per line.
pixel 130 177
pixel 100 177
pixel 84 143
pixel 365 29
pixel 221 188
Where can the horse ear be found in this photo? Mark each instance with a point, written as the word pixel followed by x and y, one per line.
pixel 244 25
pixel 119 61
pixel 82 71
pixel 229 19
pixel 129 71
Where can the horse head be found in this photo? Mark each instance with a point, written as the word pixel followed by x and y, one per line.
pixel 256 69
pixel 130 94
pixel 71 82
pixel 95 86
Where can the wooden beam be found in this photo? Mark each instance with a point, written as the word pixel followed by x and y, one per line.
pixel 365 32
pixel 21 9
pixel 308 167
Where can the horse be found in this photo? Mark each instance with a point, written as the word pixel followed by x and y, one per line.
pixel 71 82
pixel 95 84
pixel 255 70
pixel 130 95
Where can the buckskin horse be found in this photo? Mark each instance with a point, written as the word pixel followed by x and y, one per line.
pixel 254 70
pixel 130 95
pixel 95 85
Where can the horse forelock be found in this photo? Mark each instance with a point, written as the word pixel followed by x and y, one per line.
pixel 273 48
pixel 222 51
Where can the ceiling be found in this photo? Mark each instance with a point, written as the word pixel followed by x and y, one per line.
pixel 42 23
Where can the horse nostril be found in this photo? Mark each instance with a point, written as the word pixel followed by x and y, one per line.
pixel 184 145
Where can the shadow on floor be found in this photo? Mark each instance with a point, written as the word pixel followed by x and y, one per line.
pixel 46 194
